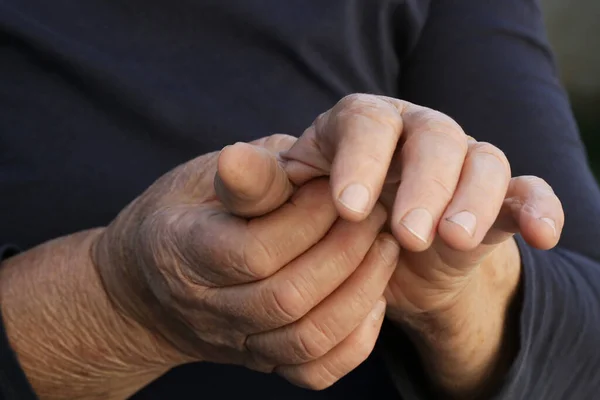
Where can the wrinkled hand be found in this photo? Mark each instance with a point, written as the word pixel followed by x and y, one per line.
pixel 296 291
pixel 453 207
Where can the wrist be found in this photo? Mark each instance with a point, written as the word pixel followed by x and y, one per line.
pixel 70 341
pixel 468 347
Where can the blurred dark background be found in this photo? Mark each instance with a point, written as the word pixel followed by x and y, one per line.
pixel 574 31
pixel 589 126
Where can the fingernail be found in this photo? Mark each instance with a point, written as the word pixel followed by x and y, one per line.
pixel 466 220
pixel 550 222
pixel 378 310
pixel 419 222
pixel 355 197
pixel 389 251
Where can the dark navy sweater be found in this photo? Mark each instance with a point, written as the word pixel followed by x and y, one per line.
pixel 98 98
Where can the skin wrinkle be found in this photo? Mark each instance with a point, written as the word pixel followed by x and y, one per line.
pixel 453 306
pixel 152 255
pixel 70 368
pixel 455 275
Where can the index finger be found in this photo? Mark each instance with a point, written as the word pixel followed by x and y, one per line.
pixel 357 139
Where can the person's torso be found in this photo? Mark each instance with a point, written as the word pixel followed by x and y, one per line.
pixel 99 98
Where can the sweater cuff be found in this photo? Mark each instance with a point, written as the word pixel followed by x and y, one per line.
pixel 559 356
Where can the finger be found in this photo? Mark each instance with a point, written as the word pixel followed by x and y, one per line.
pixel 431 160
pixel 531 208
pixel 357 138
pixel 355 143
pixel 344 358
pixel 477 199
pixel 336 317
pixel 250 181
pixel 275 143
pixel 233 250
pixel 297 288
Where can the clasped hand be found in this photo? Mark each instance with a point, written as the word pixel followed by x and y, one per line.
pixel 283 255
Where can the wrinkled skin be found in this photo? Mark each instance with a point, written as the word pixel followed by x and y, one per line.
pixel 297 291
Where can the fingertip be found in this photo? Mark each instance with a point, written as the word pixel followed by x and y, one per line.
pixel 460 231
pixel 550 223
pixel 540 233
pixel 231 152
pixel 233 164
pixel 414 230
pixel 537 211
pixel 456 238
pixel 250 181
pixel 407 239
pixel 354 202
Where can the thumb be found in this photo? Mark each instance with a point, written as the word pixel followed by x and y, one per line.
pixel 250 181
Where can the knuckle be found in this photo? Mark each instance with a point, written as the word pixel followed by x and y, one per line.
pixel 288 303
pixel 347 256
pixel 359 106
pixel 354 99
pixel 307 349
pixel 388 249
pixel 330 371
pixel 319 122
pixel 349 247
pixel 279 142
pixel 488 149
pixel 312 341
pixel 437 122
pixel 362 299
pixel 311 229
pixel 276 137
pixel 161 233
pixel 173 221
pixel 258 258
pixel 181 246
pixel 534 182
pixel 436 143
